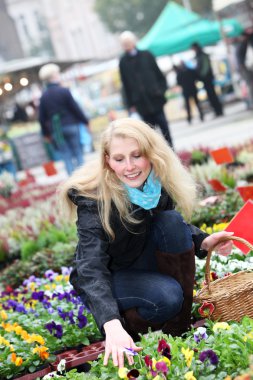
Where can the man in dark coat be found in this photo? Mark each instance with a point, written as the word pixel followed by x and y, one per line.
pixel 205 75
pixel 186 79
pixel 144 84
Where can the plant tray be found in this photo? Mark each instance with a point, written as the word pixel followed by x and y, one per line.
pixel 75 358
pixel 35 375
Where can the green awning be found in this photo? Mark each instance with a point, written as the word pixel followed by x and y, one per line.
pixel 177 28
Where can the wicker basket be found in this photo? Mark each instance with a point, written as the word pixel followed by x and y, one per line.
pixel 231 296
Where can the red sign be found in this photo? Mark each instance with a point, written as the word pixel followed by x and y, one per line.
pixel 217 185
pixel 246 192
pixel 242 226
pixel 222 156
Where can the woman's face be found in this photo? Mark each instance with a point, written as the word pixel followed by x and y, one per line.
pixel 127 163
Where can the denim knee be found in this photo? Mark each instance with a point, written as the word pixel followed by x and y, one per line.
pixel 168 302
pixel 171 232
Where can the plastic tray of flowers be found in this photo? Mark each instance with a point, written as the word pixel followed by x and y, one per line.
pixel 74 358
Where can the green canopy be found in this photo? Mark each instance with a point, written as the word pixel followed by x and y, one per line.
pixel 177 28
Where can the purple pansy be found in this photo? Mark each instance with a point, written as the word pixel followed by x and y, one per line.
pixel 200 334
pixel 39 296
pixel 209 354
pixel 54 329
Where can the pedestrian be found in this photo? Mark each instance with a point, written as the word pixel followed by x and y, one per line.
pixel 205 75
pixel 144 84
pixel 186 78
pixel 134 263
pixel 60 117
pixel 246 72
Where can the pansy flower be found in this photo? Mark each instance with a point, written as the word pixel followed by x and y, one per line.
pixel 209 355
pixel 189 376
pixel 206 309
pixel 188 355
pixel 164 348
pixel 54 329
pixel 200 334
pixel 162 367
pixel 221 326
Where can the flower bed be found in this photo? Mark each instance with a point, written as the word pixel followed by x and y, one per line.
pixel 44 315
pixel 40 318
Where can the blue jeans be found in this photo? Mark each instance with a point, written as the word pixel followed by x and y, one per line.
pixel 156 297
pixel 71 150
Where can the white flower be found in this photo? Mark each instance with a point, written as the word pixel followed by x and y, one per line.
pixel 51 375
pixel 61 366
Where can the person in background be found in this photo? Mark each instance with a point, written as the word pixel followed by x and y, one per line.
pixel 60 117
pixel 186 78
pixel 242 45
pixel 19 114
pixel 144 85
pixel 134 263
pixel 205 75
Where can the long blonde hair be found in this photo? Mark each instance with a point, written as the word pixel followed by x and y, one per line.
pixel 98 181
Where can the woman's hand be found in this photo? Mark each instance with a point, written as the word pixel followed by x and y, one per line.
pixel 222 248
pixel 117 340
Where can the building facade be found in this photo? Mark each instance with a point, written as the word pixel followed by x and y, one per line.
pixel 63 29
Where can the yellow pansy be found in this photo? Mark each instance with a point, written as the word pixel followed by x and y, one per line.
pixel 158 377
pixel 165 360
pixel 18 330
pixel 17 360
pixel 41 351
pixel 188 355
pixel 59 278
pixel 38 339
pixel 24 335
pixel 221 326
pixel 122 373
pixel 154 364
pixel 248 336
pixel 3 315
pixel 66 277
pixel 32 286
pixel 189 376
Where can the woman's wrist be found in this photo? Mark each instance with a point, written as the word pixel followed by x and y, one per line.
pixel 114 323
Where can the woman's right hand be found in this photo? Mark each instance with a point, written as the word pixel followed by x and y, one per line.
pixel 117 340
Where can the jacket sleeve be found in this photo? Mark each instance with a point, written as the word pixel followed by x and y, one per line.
pixel 91 265
pixel 74 107
pixel 160 77
pixel 198 236
pixel 45 130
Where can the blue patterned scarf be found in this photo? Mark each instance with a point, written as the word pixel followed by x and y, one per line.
pixel 149 196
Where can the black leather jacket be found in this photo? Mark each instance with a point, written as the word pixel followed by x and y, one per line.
pixel 97 255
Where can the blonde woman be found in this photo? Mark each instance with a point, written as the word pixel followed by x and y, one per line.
pixel 134 263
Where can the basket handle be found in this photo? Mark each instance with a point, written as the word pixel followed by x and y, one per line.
pixel 207 267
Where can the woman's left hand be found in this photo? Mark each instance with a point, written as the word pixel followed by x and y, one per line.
pixel 223 248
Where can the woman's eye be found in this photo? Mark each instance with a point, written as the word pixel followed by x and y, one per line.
pixel 137 156
pixel 118 159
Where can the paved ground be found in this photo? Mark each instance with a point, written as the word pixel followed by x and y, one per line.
pixel 235 127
